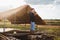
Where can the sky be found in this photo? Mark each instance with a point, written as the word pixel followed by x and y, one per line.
pixel 46 9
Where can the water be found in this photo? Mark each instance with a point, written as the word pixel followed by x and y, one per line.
pixel 6 29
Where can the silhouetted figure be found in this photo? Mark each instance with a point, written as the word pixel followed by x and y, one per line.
pixel 32 20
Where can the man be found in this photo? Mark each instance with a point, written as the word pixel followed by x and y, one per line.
pixel 32 19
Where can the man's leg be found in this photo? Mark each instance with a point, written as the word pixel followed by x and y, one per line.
pixel 32 27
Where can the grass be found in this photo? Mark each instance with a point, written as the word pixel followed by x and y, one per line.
pixel 52 30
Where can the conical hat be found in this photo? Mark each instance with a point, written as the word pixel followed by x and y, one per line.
pixel 21 16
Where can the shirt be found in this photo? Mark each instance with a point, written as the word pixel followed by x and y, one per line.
pixel 32 18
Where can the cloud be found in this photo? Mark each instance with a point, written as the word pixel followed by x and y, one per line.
pixel 10 4
pixel 57 2
pixel 38 2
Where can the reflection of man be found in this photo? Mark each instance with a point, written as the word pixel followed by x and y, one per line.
pixel 32 19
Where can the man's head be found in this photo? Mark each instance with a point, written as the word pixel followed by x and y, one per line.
pixel 33 10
